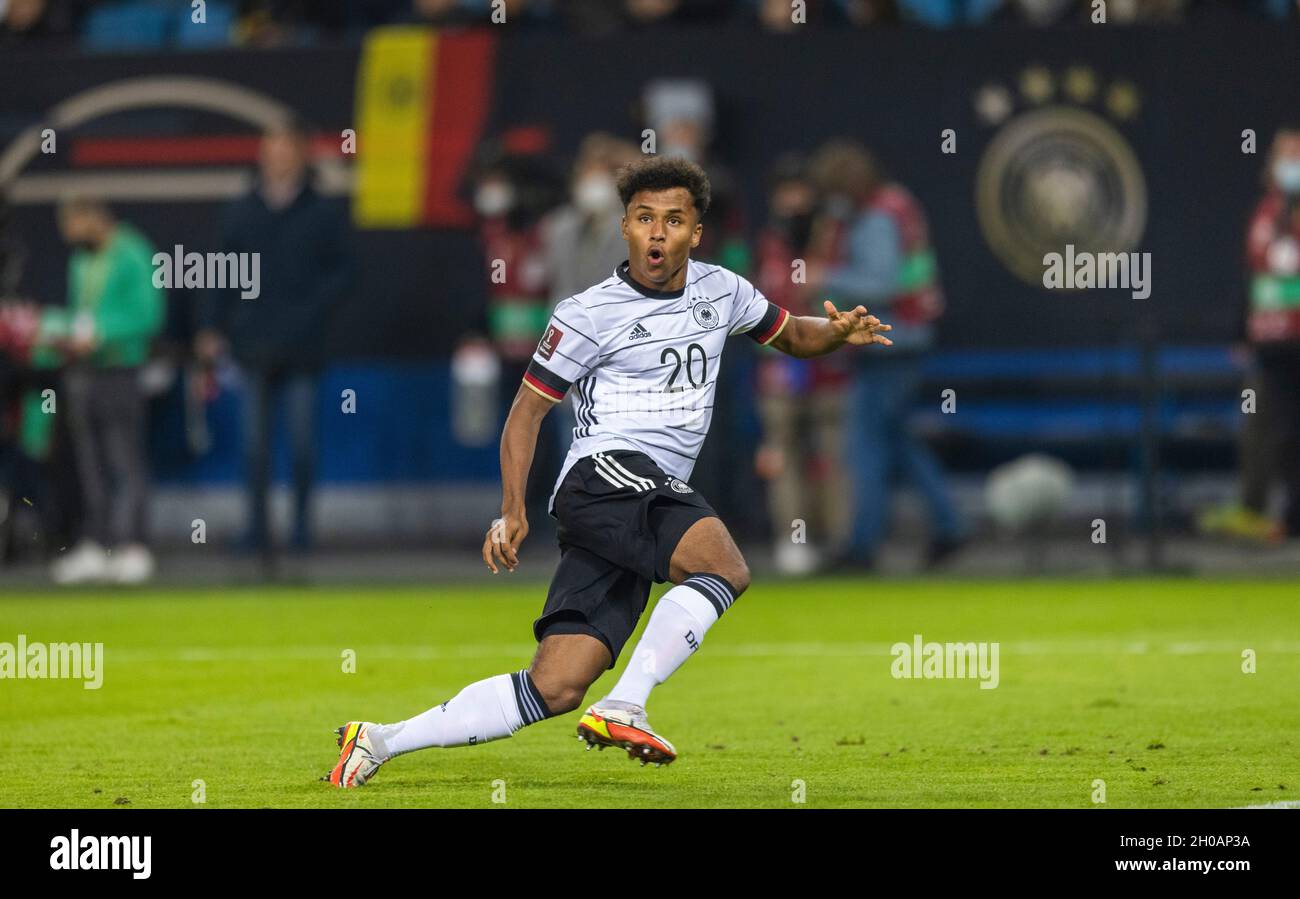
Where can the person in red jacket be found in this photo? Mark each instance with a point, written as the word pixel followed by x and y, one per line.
pixel 801 401
pixel 1271 437
pixel 512 193
pixel 877 252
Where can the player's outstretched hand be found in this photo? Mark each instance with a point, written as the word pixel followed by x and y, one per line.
pixel 857 326
pixel 502 541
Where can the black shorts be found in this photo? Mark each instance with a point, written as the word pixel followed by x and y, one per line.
pixel 620 518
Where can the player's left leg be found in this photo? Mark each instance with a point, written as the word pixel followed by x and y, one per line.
pixel 564 666
pixel 710 574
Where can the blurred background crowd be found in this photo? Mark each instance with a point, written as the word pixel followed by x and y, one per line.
pixel 154 23
pixel 809 455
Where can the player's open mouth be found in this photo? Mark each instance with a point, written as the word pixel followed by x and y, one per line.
pixel 655 257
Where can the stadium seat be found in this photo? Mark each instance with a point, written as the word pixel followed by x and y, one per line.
pixel 215 32
pixel 1082 404
pixel 126 26
pixel 148 24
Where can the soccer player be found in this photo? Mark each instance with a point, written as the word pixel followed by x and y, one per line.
pixel 641 352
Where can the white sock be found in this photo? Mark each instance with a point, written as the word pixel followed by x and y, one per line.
pixel 675 630
pixel 485 710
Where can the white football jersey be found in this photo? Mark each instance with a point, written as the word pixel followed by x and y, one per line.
pixel 643 363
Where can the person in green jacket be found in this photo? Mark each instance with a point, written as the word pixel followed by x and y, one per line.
pixel 103 336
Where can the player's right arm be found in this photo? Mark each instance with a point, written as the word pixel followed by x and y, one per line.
pixel 568 350
pixel 518 441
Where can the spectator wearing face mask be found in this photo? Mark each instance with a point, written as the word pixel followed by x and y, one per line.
pixel 582 240
pixel 800 401
pixel 876 251
pixel 1270 445
pixel 512 195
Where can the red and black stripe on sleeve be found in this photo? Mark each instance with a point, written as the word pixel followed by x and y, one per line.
pixel 770 325
pixel 545 381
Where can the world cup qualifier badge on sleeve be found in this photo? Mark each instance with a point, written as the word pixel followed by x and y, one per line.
pixel 550 340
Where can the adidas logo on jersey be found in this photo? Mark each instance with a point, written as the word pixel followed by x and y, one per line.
pixel 639 332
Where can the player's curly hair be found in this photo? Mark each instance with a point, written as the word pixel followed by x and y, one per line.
pixel 664 173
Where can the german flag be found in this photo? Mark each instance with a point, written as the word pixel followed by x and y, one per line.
pixel 422 101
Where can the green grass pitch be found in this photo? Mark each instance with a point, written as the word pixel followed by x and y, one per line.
pixel 1135 683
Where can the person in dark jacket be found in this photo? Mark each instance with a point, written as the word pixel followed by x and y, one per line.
pixel 279 336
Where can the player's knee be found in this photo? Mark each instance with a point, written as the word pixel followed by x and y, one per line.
pixel 714 553
pixel 560 694
pixel 737 574
pixel 561 698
